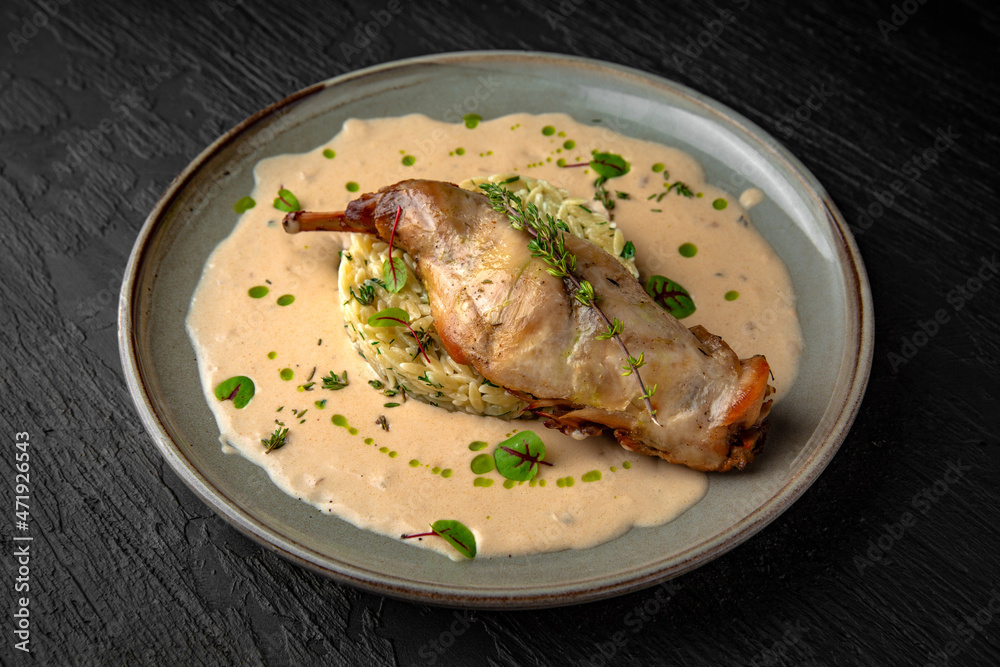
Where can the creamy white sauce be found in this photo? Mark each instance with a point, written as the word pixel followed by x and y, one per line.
pixel 374 485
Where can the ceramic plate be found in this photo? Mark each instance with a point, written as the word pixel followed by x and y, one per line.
pixel 797 218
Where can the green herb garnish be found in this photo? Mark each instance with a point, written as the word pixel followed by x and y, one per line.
pixel 334 382
pixel 518 457
pixel 286 201
pixel 277 440
pixel 393 317
pixel 394 269
pixel 671 296
pixel 239 389
pixel 456 534
pixel 628 252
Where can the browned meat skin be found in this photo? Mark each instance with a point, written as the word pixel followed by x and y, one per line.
pixel 496 307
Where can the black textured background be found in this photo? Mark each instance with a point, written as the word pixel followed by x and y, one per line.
pixel 129 567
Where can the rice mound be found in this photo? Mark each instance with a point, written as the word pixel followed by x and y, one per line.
pixel 393 353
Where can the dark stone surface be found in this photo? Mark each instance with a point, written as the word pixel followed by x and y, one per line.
pixel 128 566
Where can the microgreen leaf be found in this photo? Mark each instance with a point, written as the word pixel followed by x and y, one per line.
pixel 390 317
pixel 628 252
pixel 394 317
pixel 393 269
pixel 239 389
pixel 456 534
pixel 518 457
pixel 334 381
pixel 609 165
pixel 244 204
pixel 286 201
pixel 670 296
pixel 394 274
pixel 277 440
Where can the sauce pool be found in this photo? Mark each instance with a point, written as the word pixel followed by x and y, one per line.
pixel 267 307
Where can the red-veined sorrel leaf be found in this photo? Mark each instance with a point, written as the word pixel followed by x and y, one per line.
pixel 519 456
pixel 671 296
pixel 239 389
pixel 390 317
pixel 286 201
pixel 456 534
pixel 394 274
pixel 609 165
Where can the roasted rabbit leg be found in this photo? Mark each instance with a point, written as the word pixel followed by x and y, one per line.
pixel 496 307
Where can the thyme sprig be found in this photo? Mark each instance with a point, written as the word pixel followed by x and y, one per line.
pixel 276 441
pixel 548 243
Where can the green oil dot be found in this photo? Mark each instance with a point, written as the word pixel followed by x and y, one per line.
pixel 658 167
pixel 472 120
pixel 409 160
pixel 563 482
pixel 687 249
pixel 700 195
pixel 329 154
pixel 414 463
pixel 548 130
pixel 614 468
pixel 561 162
pixel 436 470
pixel 720 204
pixel 384 450
pixel 447 472
pixel 533 482
pixel 509 484
pixel 286 374
pixel 562 134
pixel 482 481
pixel 482 464
pixel 352 186
pixel 627 465
pixel 258 292
pixel 568 144
pixel 477 445
pixel 341 420
pixel 592 476
pixel 272 355
pixel 393 454
pixel 732 295
pixel 285 300
pixel 459 151
pixel 541 482
pixel 368 441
